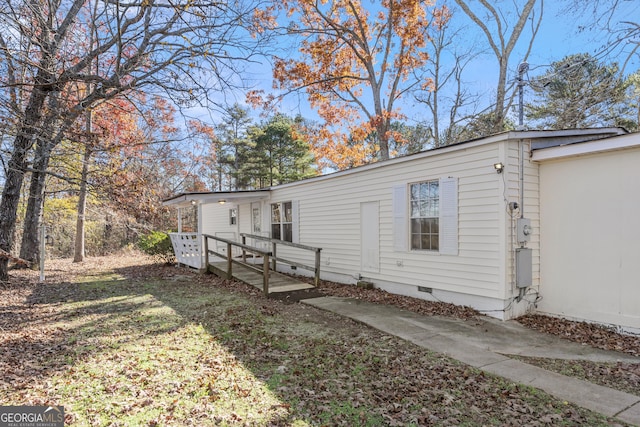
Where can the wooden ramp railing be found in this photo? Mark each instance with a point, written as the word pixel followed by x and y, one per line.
pixel 266 268
pixel 275 259
pixel 229 258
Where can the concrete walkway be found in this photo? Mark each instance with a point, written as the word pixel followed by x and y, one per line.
pixel 485 343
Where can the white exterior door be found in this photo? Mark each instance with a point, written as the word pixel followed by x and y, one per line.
pixel 370 236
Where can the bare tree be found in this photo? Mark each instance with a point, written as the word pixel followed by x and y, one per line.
pixel 188 50
pixel 615 24
pixel 502 39
pixel 450 98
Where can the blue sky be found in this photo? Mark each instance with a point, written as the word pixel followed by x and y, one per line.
pixel 558 36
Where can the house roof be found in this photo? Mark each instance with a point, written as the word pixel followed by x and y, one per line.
pixel 241 196
pixel 539 138
pixel 542 138
pixel 620 142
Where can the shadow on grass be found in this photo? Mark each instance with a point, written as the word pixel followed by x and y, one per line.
pixel 141 342
pixel 162 346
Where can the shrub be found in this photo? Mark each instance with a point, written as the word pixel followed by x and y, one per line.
pixel 158 245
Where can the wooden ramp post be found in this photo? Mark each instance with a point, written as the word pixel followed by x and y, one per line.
pixel 265 274
pixel 229 262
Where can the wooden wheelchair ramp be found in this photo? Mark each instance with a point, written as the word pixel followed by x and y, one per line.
pixel 277 282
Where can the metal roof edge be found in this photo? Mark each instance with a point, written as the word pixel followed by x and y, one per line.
pixel 568 134
pixel 204 196
pixel 402 159
pixel 613 143
pixel 503 136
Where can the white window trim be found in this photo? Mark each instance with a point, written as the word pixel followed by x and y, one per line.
pixel 448 217
pixel 231 216
pixel 295 227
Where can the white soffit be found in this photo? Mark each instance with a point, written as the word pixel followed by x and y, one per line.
pixel 184 200
pixel 584 148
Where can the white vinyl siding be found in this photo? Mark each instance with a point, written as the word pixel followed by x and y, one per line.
pixel 295 221
pixel 217 220
pixel 370 236
pixel 470 262
pixel 400 225
pixel 244 218
pixel 531 210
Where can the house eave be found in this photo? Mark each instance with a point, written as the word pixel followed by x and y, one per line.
pixel 552 137
pixel 543 139
pixel 621 142
pixel 188 199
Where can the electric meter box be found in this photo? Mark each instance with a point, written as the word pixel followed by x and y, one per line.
pixel 523 228
pixel 524 267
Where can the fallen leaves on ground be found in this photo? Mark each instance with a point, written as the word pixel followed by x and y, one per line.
pixel 378 296
pixel 621 375
pixel 597 336
pixel 122 341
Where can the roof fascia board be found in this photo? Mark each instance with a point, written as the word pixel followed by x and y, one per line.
pixel 504 136
pixel 621 142
pixel 179 200
pixel 231 197
pixel 186 199
pixel 403 159
pixel 564 133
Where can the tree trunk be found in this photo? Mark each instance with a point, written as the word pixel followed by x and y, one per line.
pixel 10 199
pixel 501 49
pixel 383 138
pixel 79 252
pixel 15 175
pixel 46 141
pixel 108 228
pixel 30 247
pixel 498 118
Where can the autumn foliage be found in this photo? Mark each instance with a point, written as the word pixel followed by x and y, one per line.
pixel 354 63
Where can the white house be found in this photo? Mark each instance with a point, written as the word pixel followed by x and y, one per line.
pixel 504 224
pixel 590 230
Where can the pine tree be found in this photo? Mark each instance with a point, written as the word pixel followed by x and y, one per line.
pixel 577 92
pixel 232 137
pixel 277 154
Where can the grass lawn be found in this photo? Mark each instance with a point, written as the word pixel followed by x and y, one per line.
pixel 128 343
